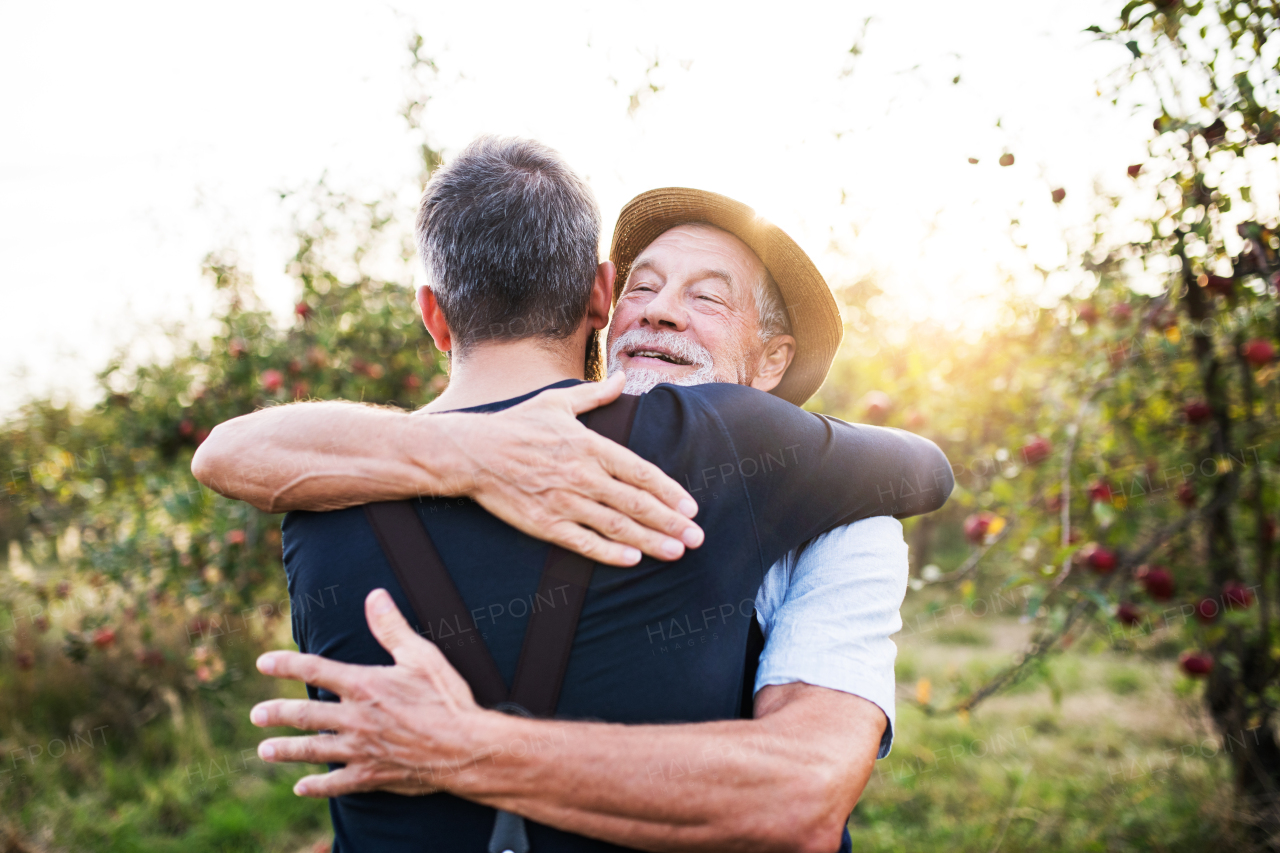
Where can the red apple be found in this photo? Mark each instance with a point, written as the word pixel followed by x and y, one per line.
pixel 1157 581
pixel 1058 195
pixel 1196 664
pixel 1207 610
pixel 1237 596
pixel 376 371
pixel 317 357
pixel 915 419
pixel 186 428
pixel 1006 159
pixel 104 637
pixel 1134 170
pixel 237 347
pixel 150 657
pixel 235 537
pixel 41 622
pixel 973 160
pixel 1258 352
pixel 1053 501
pixel 1098 558
pixel 1087 312
pixel 24 660
pixel 302 309
pixel 1187 495
pixel 412 382
pixel 295 367
pixel 301 389
pixel 1036 450
pixel 1099 491
pixel 976 526
pixel 875 406
pixel 1128 613
pixel 1197 412
pixel 272 380
pixel 1122 312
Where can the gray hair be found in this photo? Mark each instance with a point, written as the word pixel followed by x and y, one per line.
pixel 509 236
pixel 770 308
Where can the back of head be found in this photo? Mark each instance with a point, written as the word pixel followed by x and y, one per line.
pixel 509 235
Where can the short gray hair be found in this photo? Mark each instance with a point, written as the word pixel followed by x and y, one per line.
pixel 509 236
pixel 770 308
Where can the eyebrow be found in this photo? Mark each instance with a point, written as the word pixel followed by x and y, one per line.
pixel 723 275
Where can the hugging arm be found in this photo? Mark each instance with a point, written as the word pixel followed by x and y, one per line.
pixel 804 473
pixel 784 781
pixel 535 466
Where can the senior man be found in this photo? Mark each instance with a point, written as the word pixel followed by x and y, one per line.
pixel 699 305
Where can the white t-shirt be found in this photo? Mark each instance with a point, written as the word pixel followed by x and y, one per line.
pixel 828 613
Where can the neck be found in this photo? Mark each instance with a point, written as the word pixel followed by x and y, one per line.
pixel 500 370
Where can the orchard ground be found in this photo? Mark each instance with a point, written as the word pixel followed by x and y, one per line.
pixel 1096 751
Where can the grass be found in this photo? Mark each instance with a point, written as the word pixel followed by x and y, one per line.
pixel 1096 752
pixel 1099 752
pixel 110 755
pixel 180 788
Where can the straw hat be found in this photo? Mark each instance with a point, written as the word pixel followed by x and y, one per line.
pixel 815 320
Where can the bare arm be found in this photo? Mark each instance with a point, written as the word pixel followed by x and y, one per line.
pixel 534 466
pixel 784 781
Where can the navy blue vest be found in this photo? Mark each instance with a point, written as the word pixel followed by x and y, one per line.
pixel 657 643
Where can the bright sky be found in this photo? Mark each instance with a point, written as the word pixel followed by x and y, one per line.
pixel 137 141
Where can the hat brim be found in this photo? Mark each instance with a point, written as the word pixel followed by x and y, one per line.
pixel 815 319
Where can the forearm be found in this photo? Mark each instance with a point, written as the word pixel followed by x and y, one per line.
pixel 785 781
pixel 328 455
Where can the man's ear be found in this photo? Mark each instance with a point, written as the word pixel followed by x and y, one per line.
pixel 433 319
pixel 774 361
pixel 601 296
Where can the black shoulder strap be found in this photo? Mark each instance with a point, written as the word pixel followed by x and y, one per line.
pixel 566 576
pixel 434 597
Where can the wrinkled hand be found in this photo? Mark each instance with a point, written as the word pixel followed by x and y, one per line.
pixel 398 728
pixel 536 467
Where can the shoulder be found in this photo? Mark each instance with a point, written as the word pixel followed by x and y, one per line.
pixel 857 535
pixel 737 408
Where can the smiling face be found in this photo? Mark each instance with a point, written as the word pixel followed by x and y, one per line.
pixel 687 315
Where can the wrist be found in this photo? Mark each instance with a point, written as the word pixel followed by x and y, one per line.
pixel 438 444
pixel 489 755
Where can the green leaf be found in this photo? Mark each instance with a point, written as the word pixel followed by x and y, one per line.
pixel 1133 48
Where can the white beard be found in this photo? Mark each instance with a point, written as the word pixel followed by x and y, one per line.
pixel 642 379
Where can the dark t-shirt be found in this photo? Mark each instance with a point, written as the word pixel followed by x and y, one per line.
pixel 656 643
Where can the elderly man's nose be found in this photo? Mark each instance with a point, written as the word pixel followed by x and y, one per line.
pixel 664 311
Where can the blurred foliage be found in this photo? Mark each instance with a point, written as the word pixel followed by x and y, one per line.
pixel 1114 455
pixel 1115 452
